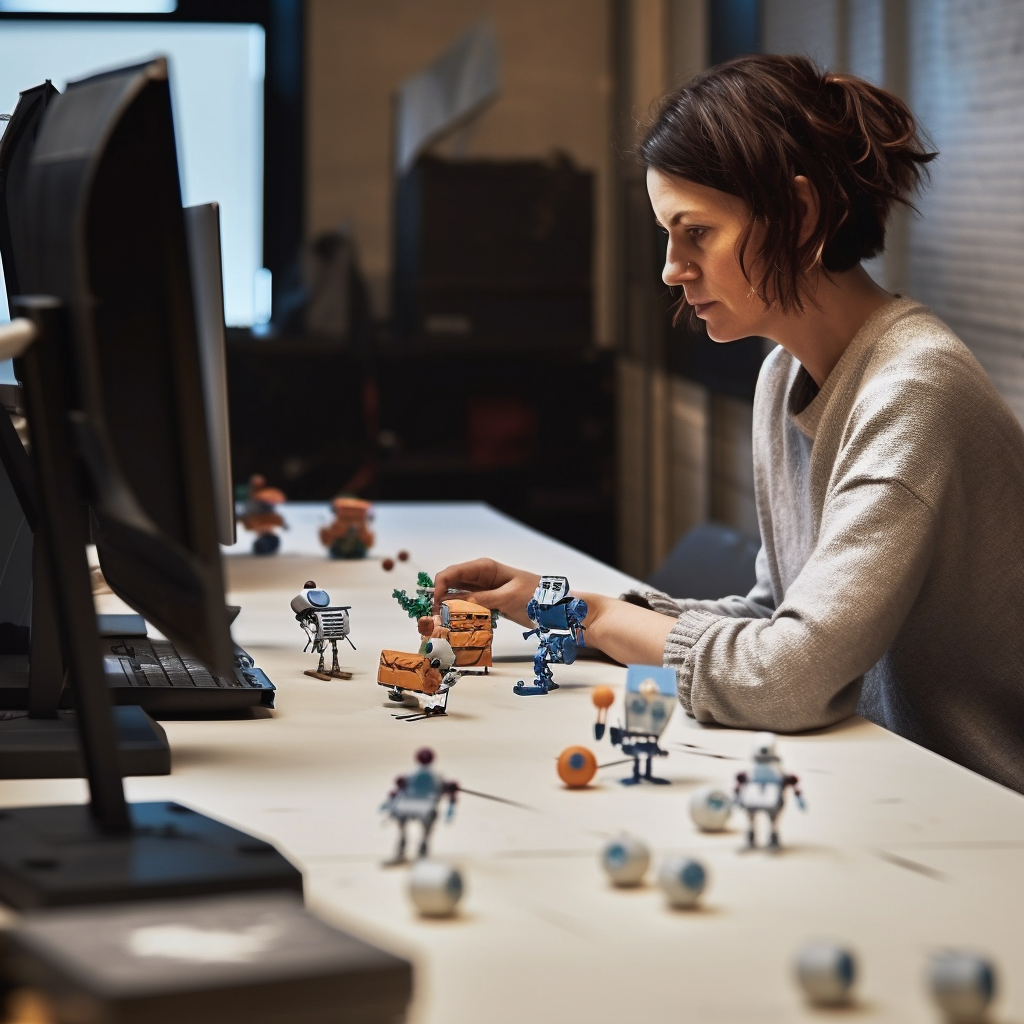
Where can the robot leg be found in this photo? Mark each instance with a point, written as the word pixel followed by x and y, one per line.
pixel 773 842
pixel 634 779
pixel 319 672
pixel 653 778
pixel 336 670
pixel 542 681
pixel 428 827
pixel 400 849
pixel 751 830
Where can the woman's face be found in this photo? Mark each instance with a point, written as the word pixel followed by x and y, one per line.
pixel 704 227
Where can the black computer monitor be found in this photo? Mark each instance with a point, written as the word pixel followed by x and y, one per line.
pixel 108 239
pixel 15 153
pixel 115 409
pixel 202 225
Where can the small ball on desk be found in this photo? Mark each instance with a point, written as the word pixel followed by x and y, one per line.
pixel 435 888
pixel 387 564
pixel 826 972
pixel 683 879
pixel 710 807
pixel 576 766
pixel 962 984
pixel 625 859
pixel 403 556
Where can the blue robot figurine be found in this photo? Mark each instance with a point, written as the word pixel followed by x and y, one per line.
pixel 559 619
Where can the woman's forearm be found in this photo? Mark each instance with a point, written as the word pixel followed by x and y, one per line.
pixel 626 632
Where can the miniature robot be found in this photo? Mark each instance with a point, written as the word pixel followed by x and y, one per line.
pixel 763 789
pixel 323 623
pixel 432 674
pixel 256 513
pixel 416 797
pixel 349 536
pixel 559 619
pixel 469 628
pixel 650 699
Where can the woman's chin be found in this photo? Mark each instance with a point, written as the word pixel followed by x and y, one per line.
pixel 723 336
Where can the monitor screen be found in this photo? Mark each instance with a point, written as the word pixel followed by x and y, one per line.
pixel 217 73
pixel 103 188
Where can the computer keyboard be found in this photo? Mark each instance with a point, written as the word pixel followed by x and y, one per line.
pixel 154 675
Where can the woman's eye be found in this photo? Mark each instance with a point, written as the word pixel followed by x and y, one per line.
pixel 696 233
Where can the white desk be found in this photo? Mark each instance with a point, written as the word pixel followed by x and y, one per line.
pixel 900 852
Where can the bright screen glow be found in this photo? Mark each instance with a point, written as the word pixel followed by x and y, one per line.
pixel 217 75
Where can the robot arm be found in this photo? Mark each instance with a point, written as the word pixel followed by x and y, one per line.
pixel 741 778
pixel 310 622
pixel 792 780
pixel 400 784
pixel 451 790
pixel 576 612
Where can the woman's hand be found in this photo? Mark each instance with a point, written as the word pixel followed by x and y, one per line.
pixel 491 584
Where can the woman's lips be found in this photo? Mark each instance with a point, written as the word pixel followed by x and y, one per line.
pixel 700 308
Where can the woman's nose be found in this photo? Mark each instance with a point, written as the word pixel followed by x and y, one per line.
pixel 677 272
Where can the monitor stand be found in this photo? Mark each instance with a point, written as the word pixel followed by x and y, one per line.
pixel 39 741
pixel 107 850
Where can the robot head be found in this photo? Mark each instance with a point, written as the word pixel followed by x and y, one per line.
pixel 650 698
pixel 311 599
pixel 425 756
pixel 764 746
pixel 551 590
pixel 440 653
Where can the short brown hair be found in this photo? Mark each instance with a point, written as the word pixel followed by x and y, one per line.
pixel 750 125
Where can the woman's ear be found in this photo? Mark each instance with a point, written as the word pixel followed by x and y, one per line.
pixel 810 208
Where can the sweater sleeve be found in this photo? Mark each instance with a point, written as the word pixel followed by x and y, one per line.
pixel 801 666
pixel 758 604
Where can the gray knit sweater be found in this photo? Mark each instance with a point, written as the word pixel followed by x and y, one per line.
pixel 890 580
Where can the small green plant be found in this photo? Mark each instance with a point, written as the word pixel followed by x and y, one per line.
pixel 423 603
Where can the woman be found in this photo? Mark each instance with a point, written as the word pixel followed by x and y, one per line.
pixel 889 473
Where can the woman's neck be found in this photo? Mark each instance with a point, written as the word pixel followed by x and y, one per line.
pixel 835 309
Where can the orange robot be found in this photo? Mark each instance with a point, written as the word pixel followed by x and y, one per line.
pixel 467 627
pixel 256 512
pixel 430 675
pixel 349 536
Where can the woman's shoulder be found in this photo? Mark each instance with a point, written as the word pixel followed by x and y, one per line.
pixel 911 342
pixel 916 376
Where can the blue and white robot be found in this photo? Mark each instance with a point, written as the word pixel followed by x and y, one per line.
pixel 416 797
pixel 762 790
pixel 559 619
pixel 650 699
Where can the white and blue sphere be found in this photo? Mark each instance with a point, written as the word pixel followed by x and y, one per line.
pixel 962 984
pixel 826 972
pixel 710 807
pixel 625 859
pixel 435 888
pixel 682 879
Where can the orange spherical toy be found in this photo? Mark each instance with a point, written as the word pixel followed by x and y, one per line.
pixel 576 766
pixel 603 697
